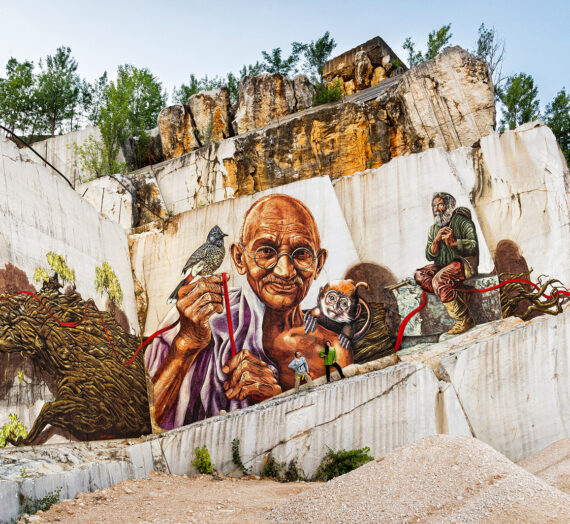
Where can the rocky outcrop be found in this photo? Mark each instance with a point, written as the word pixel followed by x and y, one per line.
pixel 363 131
pixel 363 66
pixel 144 150
pixel 264 98
pixel 448 101
pixel 176 131
pixel 210 112
pixel 111 198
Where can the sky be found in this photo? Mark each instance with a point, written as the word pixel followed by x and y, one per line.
pixel 176 38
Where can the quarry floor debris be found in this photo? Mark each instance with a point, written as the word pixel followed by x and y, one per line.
pixel 436 479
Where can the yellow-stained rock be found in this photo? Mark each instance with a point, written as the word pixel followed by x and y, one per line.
pixel 210 112
pixel 176 131
pixel 264 98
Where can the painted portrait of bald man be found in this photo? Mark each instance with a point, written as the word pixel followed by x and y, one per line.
pixel 193 372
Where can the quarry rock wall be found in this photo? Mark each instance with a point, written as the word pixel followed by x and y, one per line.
pixel 42 214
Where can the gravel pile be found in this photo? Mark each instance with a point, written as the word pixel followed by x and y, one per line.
pixel 552 465
pixel 439 478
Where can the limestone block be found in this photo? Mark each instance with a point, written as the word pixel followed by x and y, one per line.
pixel 514 386
pixel 266 97
pixel 111 199
pixel 427 92
pixel 362 66
pixel 378 75
pixel 9 501
pixel 522 195
pixel 177 133
pixel 384 409
pixel 336 139
pixel 362 70
pixel 139 153
pixel 433 318
pixel 211 113
pixel 61 152
pixel 148 199
pixel 303 92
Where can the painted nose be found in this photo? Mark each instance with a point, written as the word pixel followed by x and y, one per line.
pixel 284 267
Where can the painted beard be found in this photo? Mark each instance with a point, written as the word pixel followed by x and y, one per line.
pixel 443 218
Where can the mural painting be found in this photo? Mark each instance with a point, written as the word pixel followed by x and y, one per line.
pixel 453 249
pixel 79 351
pixel 193 369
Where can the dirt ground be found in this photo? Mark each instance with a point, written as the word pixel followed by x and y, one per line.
pixel 435 479
pixel 174 499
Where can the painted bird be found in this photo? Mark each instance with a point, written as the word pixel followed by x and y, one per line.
pixel 204 261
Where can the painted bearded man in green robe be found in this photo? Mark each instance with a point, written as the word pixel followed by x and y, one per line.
pixel 453 249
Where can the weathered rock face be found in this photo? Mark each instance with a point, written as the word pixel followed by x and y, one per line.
pixel 210 112
pixel 363 131
pixel 522 194
pixel 62 152
pixel 264 98
pixel 448 101
pixel 176 131
pixel 363 66
pixel 111 199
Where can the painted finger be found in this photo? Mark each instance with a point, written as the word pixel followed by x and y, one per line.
pixel 233 362
pixel 251 372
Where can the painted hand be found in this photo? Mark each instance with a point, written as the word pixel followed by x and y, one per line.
pixel 249 376
pixel 449 239
pixel 197 302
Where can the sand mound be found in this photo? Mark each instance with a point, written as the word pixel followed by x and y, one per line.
pixel 439 478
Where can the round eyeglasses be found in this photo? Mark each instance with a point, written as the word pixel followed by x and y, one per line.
pixel 266 257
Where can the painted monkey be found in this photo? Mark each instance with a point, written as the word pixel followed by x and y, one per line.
pixel 339 307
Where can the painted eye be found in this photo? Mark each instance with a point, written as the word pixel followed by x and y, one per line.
pixel 331 298
pixel 344 304
pixel 302 258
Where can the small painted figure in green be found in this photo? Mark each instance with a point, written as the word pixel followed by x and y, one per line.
pixel 329 354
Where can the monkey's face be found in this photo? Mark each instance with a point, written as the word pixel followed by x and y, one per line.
pixel 337 306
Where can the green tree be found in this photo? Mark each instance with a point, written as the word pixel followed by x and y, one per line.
pixel 251 69
pixel 131 105
pixel 59 266
pixel 17 95
pixel 273 62
pixel 58 89
pixel 94 97
pixel 107 283
pixel 557 117
pixel 414 57
pixel 315 54
pixel 492 50
pixel 519 99
pixel 438 40
pixel 185 91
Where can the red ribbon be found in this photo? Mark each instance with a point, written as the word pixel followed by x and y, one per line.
pixel 472 290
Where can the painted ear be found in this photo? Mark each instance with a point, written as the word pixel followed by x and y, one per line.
pixel 238 256
pixel 321 259
pixel 358 310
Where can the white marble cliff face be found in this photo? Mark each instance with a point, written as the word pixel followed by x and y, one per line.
pixel 517 185
pixel 41 213
pixel 522 194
